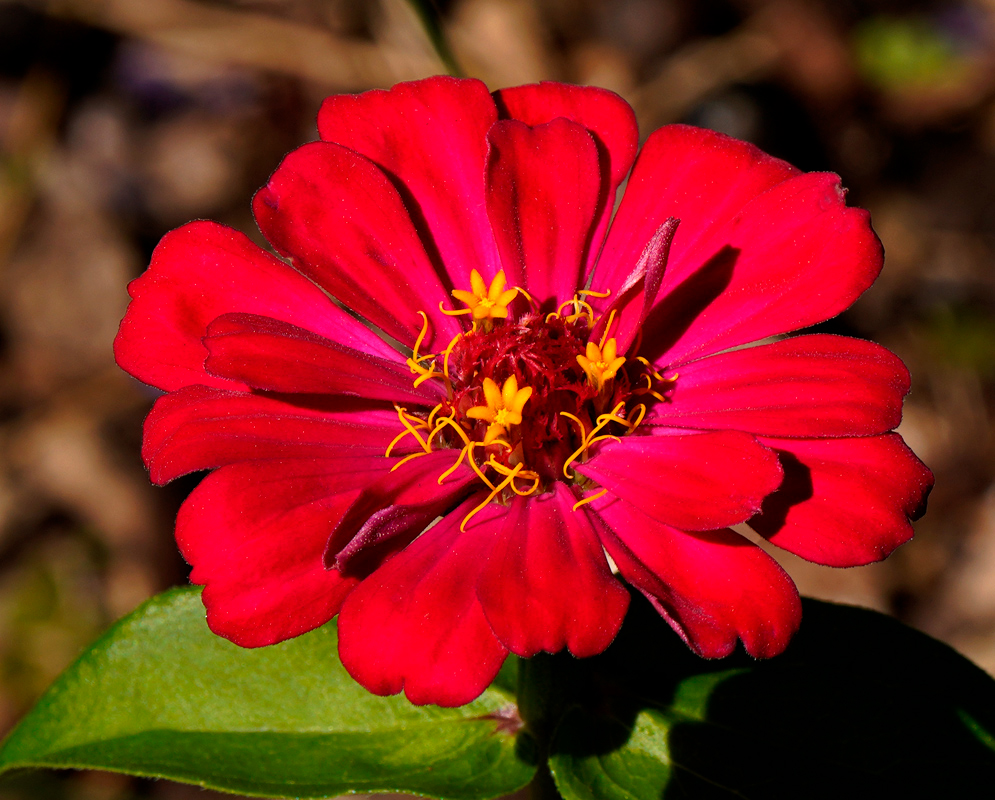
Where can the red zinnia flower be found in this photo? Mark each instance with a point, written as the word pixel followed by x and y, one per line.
pixel 549 388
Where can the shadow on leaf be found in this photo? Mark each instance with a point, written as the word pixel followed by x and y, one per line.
pixel 857 702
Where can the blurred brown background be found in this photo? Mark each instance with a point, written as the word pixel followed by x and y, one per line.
pixel 121 119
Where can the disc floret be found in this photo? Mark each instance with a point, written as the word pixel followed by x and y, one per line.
pixel 503 407
pixel 485 303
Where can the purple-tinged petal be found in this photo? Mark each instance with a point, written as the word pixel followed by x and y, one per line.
pixel 255 533
pixel 416 623
pixel 399 504
pixel 712 587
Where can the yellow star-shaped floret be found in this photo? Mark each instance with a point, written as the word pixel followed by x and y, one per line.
pixel 503 409
pixel 487 302
pixel 601 363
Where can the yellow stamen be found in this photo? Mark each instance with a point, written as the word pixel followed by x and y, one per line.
pixel 651 370
pixel 425 375
pixel 443 422
pixel 593 437
pixel 454 467
pixel 495 491
pixel 652 393
pixel 454 312
pixel 528 297
pixel 447 353
pixel 589 499
pixel 473 464
pixel 431 417
pixel 421 336
pixel 640 412
pixel 524 473
pixel 608 325
pixel 580 425
pixel 409 427
pixel 592 293
pixel 406 459
pixel 577 304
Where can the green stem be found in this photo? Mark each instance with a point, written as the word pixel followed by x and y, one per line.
pixel 542 682
pixel 543 787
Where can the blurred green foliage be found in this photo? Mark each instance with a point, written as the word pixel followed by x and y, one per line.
pixel 906 52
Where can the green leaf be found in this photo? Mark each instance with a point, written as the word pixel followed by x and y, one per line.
pixel 857 702
pixel 159 695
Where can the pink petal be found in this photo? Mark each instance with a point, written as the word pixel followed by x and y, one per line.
pixel 816 385
pixel 547 584
pixel 255 533
pixel 543 185
pixel 416 623
pixel 279 357
pixel 430 137
pixel 607 117
pixel 845 502
pixel 201 271
pixel 695 481
pixel 713 587
pixel 400 503
pixel 198 427
pixel 697 176
pixel 345 226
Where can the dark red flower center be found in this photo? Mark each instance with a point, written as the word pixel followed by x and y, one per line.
pixel 528 396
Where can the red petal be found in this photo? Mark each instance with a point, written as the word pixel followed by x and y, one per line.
pixel 698 176
pixel 430 136
pixel 199 428
pixel 401 502
pixel 695 481
pixel 845 502
pixel 255 534
pixel 344 225
pixel 636 296
pixel 606 116
pixel 201 271
pixel 279 357
pixel 815 385
pixel 761 249
pixel 547 584
pixel 416 624
pixel 542 193
pixel 713 587
pixel 793 257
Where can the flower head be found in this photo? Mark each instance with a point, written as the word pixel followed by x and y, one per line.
pixel 526 380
